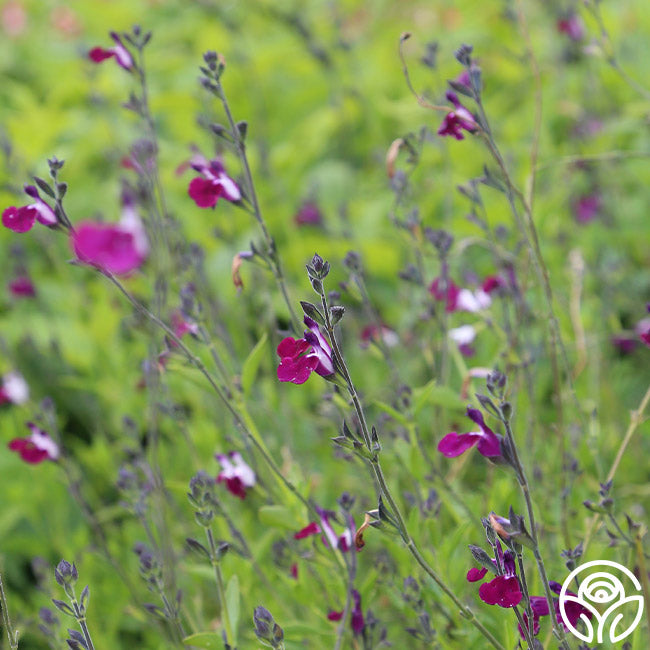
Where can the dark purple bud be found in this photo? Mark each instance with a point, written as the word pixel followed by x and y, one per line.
pixel 66 573
pixel 464 54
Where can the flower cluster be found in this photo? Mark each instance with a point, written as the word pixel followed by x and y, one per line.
pixel 300 357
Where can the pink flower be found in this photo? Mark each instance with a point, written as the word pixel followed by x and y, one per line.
pixel 492 283
pixel 121 54
pixel 236 474
pixel 374 332
pixel 14 389
pixel 113 248
pixel 485 440
pixel 449 293
pixel 22 219
pixel 36 447
pixel 182 326
pixel 300 357
pixel 213 184
pixel 22 287
pixel 357 622
pixel 458 299
pixel 457 120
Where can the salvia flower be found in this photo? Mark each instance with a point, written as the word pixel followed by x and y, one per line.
pixel 343 542
pixel 643 330
pixel 463 336
pixel 214 183
pixel 235 473
pixel 117 248
pixel 300 357
pixel 22 287
pixel 357 622
pixel 377 333
pixel 572 26
pixel 13 389
pixel 118 51
pixel 37 447
pixel 457 298
pixel 485 440
pixel 309 214
pixel 458 120
pixel 22 219
pixel 586 208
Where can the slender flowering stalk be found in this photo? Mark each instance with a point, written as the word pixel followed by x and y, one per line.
pixel 237 133
pixel 66 576
pixel 12 634
pixel 372 448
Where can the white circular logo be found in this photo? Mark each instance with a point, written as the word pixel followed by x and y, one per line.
pixel 605 590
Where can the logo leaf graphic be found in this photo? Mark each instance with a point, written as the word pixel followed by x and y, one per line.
pixel 614 610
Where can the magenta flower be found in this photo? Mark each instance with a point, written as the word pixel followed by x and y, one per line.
pixel 493 283
pixel 36 447
pixel 235 473
pixel 122 55
pixel 448 293
pixel 643 330
pixel 14 389
pixel 587 207
pixel 376 333
pixel 502 590
pixel 474 574
pixel 181 326
pixel 213 183
pixel 119 248
pixel 457 120
pixel 300 357
pixel 22 219
pixel 343 542
pixel 357 622
pixel 572 26
pixel 309 214
pixel 22 287
pixel 485 440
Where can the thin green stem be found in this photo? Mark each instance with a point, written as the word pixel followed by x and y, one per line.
pixel 12 634
pixel 223 603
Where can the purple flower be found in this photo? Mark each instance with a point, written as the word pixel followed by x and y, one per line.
pixel 643 330
pixel 35 448
pixel 121 54
pixel 213 183
pixel 23 219
pixel 587 207
pixel 457 120
pixel 572 26
pixel 485 440
pixel 309 214
pixel 235 473
pixel 502 590
pixel 474 574
pixel 22 287
pixel 300 357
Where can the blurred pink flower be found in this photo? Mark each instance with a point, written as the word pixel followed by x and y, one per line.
pixel 22 287
pixel 572 26
pixel 22 219
pixel 36 447
pixel 13 389
pixel 235 473
pixel 587 207
pixel 458 120
pixel 14 18
pixel 213 184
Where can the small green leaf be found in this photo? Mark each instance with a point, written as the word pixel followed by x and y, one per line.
pixel 432 394
pixel 232 602
pixel 252 363
pixel 394 413
pixel 208 640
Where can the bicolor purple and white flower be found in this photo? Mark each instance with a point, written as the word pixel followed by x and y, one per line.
pixel 36 447
pixel 485 440
pixel 463 336
pixel 235 473
pixel 22 219
pixel 343 542
pixel 118 51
